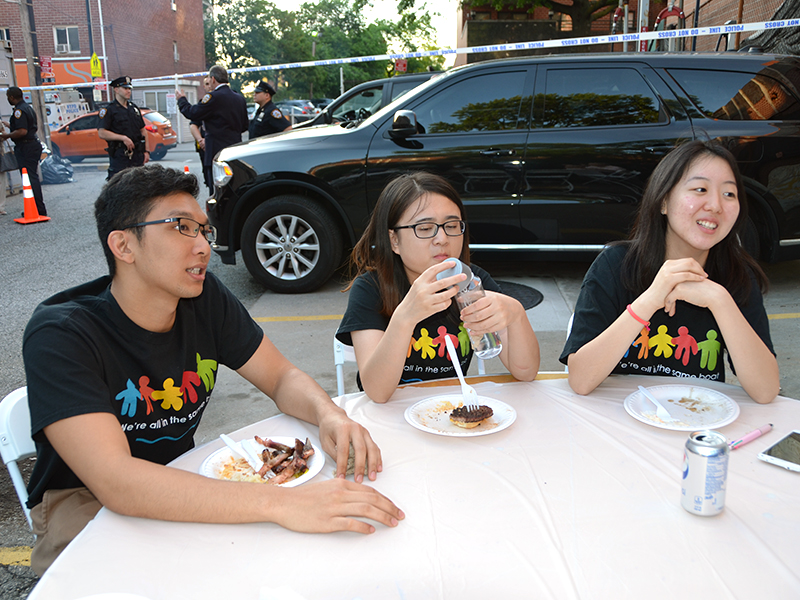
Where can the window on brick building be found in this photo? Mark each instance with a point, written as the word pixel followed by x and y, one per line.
pixel 5 35
pixel 67 39
pixel 175 54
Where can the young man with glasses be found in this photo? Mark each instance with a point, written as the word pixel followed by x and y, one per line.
pixel 120 369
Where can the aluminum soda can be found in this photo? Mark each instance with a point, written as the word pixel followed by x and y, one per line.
pixel 705 473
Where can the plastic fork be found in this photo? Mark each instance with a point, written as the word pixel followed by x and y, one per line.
pixel 241 450
pixel 467 391
pixel 662 412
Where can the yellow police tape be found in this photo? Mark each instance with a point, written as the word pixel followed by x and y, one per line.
pixel 16 555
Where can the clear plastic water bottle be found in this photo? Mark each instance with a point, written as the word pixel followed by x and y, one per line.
pixel 471 290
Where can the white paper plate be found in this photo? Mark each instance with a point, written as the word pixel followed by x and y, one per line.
pixel 693 406
pixel 433 416
pixel 212 465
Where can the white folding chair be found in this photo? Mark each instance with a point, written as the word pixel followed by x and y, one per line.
pixel 569 330
pixel 15 440
pixel 342 353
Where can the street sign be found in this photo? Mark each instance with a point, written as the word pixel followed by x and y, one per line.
pixel 97 70
pixel 172 105
pixel 100 86
pixel 401 65
pixel 46 66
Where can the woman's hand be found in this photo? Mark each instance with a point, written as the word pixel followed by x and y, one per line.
pixel 671 274
pixel 429 295
pixel 493 312
pixel 705 294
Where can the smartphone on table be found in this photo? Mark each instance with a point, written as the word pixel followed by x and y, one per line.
pixel 785 452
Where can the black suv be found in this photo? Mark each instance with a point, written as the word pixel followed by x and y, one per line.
pixel 550 155
pixel 364 100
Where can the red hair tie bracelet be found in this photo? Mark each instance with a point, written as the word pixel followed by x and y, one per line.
pixel 638 318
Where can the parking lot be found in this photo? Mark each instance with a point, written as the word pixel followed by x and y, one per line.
pixel 39 260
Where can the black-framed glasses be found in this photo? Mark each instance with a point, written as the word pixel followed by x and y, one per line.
pixel 425 231
pixel 185 226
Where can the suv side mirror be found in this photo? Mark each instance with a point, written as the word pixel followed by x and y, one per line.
pixel 404 124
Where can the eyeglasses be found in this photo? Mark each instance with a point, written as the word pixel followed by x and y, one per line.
pixel 188 227
pixel 425 231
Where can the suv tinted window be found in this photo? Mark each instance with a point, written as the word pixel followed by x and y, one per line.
pixel 90 122
pixel 369 100
pixel 735 96
pixel 597 97
pixel 488 102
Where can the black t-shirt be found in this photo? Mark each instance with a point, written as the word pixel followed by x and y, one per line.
pixel 127 121
pixel 427 354
pixel 688 344
pixel 84 355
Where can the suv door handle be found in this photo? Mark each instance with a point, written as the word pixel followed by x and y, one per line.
pixel 498 152
pixel 658 150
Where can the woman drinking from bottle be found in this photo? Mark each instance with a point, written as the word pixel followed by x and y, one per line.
pixel 399 312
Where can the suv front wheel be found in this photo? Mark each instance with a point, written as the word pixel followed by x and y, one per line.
pixel 290 245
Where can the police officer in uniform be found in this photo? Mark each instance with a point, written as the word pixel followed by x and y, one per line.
pixel 27 147
pixel 122 126
pixel 269 118
pixel 222 111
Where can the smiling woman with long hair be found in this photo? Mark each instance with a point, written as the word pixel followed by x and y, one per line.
pixel 682 290
pixel 399 312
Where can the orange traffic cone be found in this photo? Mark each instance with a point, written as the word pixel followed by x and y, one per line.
pixel 185 168
pixel 31 212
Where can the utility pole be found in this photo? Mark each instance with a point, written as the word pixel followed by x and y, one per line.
pixel 34 78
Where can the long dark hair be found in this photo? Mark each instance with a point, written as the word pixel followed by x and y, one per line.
pixel 373 252
pixel 728 263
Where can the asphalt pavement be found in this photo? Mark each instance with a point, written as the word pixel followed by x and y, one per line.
pixel 41 259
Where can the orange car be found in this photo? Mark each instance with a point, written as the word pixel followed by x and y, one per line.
pixel 78 139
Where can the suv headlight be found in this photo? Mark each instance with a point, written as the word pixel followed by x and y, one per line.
pixel 222 173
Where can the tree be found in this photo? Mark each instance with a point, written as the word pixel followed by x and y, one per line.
pixel 244 33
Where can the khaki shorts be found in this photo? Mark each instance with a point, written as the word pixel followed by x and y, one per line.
pixel 57 519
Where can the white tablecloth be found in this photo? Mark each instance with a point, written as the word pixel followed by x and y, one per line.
pixel 575 500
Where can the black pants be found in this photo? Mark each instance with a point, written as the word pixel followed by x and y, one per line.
pixel 118 161
pixel 28 153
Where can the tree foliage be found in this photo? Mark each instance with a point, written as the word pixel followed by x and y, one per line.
pixel 245 33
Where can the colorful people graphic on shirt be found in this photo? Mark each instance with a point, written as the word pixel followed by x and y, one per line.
pixel 685 344
pixel 188 383
pixel 129 397
pixel 205 369
pixel 662 342
pixel 424 345
pixel 463 339
pixel 170 396
pixel 440 340
pixel 411 345
pixel 709 351
pixel 643 341
pixel 146 392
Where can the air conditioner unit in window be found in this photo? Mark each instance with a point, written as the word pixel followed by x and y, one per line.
pixel 62 48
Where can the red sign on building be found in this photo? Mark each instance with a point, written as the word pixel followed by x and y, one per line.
pixel 46 65
pixel 401 65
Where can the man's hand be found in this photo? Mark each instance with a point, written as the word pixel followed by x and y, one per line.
pixel 179 94
pixel 334 505
pixel 337 432
pixel 202 143
pixel 128 143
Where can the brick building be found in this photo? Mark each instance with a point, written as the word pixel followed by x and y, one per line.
pixel 481 25
pixel 140 38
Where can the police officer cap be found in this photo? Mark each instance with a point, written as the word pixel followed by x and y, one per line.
pixel 124 81
pixel 264 86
